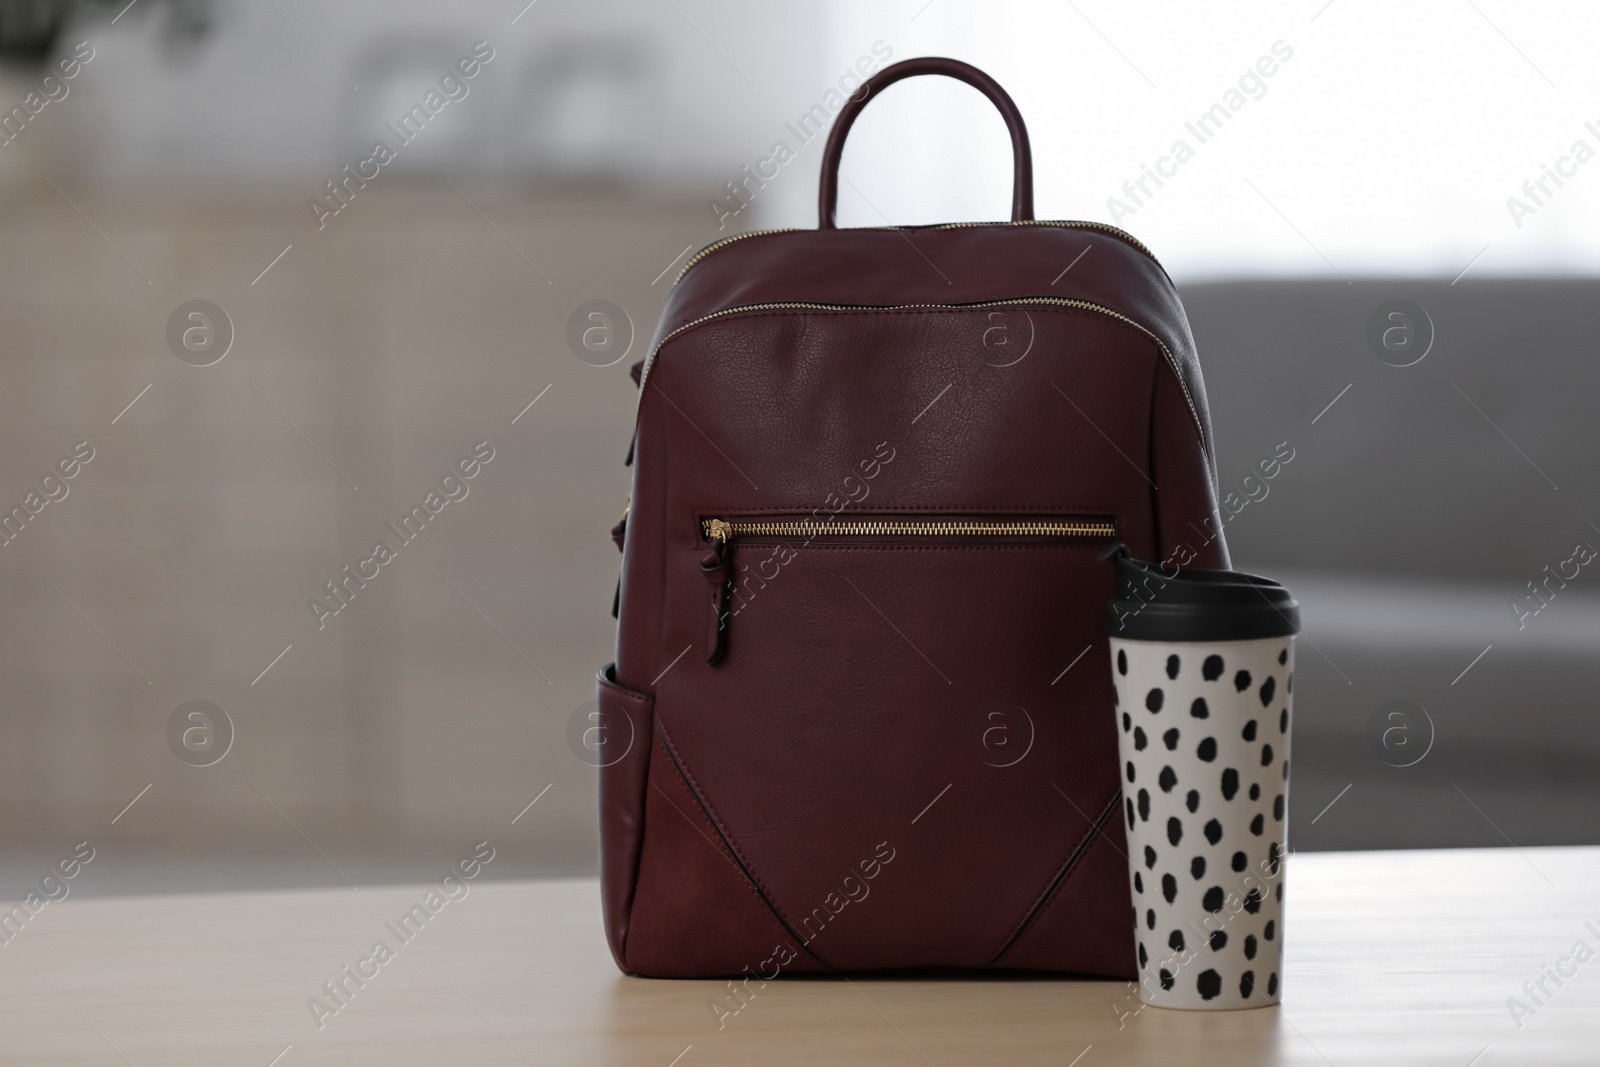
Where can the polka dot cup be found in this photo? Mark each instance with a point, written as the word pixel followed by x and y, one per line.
pixel 1204 739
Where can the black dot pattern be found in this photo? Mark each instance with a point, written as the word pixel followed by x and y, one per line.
pixel 1215 780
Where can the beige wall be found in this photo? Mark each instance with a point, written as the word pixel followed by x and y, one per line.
pixel 396 339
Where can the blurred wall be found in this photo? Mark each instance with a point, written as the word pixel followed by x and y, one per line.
pixel 185 552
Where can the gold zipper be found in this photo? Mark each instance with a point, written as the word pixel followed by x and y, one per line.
pixel 723 582
pixel 721 241
pixel 723 531
pixel 1048 301
pixel 1075 225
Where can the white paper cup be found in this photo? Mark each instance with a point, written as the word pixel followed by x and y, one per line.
pixel 1203 733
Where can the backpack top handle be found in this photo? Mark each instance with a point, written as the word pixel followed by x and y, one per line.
pixel 1022 154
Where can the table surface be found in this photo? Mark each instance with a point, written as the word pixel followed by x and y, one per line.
pixel 1391 957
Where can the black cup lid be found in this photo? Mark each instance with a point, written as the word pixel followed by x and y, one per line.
pixel 1155 603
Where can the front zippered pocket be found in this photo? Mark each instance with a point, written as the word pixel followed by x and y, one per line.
pixel 720 535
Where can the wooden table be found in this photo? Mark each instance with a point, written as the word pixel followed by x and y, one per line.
pixel 1397 957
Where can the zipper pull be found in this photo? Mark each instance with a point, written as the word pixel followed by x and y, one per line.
pixel 717 566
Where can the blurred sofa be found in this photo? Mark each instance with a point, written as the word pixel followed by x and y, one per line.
pixel 1420 509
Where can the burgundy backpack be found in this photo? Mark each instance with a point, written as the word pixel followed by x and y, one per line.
pixel 861 715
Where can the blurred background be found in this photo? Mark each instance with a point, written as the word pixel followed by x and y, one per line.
pixel 366 322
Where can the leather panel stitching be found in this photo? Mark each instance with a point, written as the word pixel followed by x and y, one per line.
pixel 1060 879
pixel 755 885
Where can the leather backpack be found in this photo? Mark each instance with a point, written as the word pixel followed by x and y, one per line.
pixel 861 715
